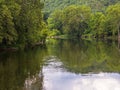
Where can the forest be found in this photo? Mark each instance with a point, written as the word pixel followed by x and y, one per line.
pixel 97 5
pixel 31 21
pixel 21 22
pixel 100 19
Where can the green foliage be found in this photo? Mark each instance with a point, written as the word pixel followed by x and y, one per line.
pixel 54 32
pixel 55 20
pixel 8 33
pixel 113 18
pixel 77 21
pixel 29 24
pixel 96 5
pixel 96 24
pixel 21 21
pixel 72 20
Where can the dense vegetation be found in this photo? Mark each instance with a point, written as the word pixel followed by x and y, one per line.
pixel 21 22
pixel 84 21
pixel 96 5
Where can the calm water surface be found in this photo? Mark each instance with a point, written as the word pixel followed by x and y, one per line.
pixel 62 65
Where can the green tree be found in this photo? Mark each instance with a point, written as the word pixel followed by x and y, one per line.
pixel 75 19
pixel 55 20
pixel 21 21
pixel 96 5
pixel 8 34
pixel 96 25
pixel 113 18
pixel 30 21
pixel 72 20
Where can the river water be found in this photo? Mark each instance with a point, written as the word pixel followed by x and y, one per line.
pixel 62 65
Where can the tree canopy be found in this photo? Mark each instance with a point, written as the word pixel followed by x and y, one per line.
pixel 21 21
pixel 51 5
pixel 80 20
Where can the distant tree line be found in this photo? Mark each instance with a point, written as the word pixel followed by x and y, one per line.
pixel 81 20
pixel 96 5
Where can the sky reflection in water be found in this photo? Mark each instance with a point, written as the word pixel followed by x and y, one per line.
pixel 55 78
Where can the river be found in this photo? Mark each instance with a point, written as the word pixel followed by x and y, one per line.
pixel 62 65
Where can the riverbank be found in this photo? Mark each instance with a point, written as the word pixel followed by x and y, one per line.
pixel 84 37
pixel 17 47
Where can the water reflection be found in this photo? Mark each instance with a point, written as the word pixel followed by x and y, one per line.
pixel 22 70
pixel 59 79
pixel 34 83
pixel 68 81
pixel 86 56
pixel 62 65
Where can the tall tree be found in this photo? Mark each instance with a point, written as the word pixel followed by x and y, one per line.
pixel 8 33
pixel 55 21
pixel 96 25
pixel 113 18
pixel 75 19
pixel 21 21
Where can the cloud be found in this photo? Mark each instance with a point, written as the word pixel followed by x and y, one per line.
pixel 70 81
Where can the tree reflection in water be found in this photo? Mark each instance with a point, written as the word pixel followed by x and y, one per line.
pixel 34 83
pixel 22 70
pixel 56 77
pixel 62 65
